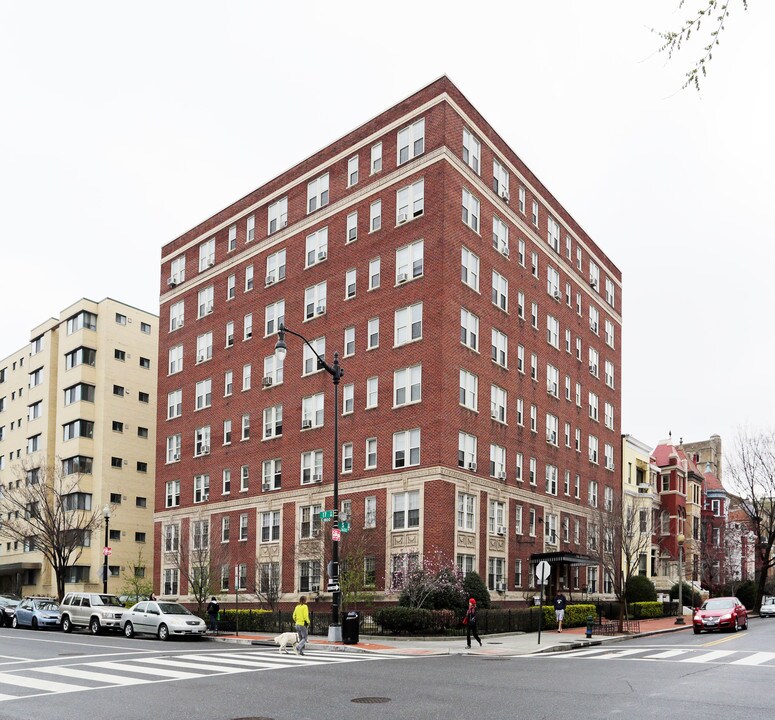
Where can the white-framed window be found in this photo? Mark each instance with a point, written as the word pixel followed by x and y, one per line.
pixel 317 193
pixel 552 380
pixel 348 398
pixel 535 213
pixel 518 572
pixel 567 388
pixel 274 316
pixel 553 234
pixel 371 455
pixel 466 451
pixel 372 392
pixel 350 283
pixel 500 291
pixel 243 526
pixel 609 333
pixel 172 494
pixel 245 435
pixel 349 342
pixel 228 383
pixel 273 422
pixel 552 429
pixel 202 441
pixel 551 479
pixel 311 467
pixel 518 467
pixel 534 264
pixel 496 517
pixel 177 315
pixel 521 359
pixel 593 362
pixel 496 567
pixel 201 488
pixel 374 273
pixel 566 484
pixel 594 276
pixel 500 235
pixel 520 412
pixel 593 406
pixel 247 326
pixel 499 349
pixel 500 180
pixel 271 475
pixel 351 228
pixel 226 482
pixel 498 461
pixel 594 319
pixel 609 374
pixel 406 509
pixel 578 349
pixel 550 528
pixel 376 158
pixel 205 300
pixel 521 305
pixel 409 261
pixel 534 315
pixel 553 331
pixel 277 216
pixel 175 360
pixel 532 471
pixel 227 432
pixel 206 254
pixel 521 252
pixel 470 269
pixel 567 435
pixel 472 151
pixel 469 329
pixel 275 267
pixel 273 368
pixel 230 333
pixel 609 416
pixel 312 411
pixel 347 457
pixel 533 366
pixel 408 324
pixel 315 300
pixel 531 522
pixel 352 171
pixel 248 278
pixel 469 389
pixel 471 210
pixel 608 455
pixel 178 270
pixel 411 141
pixel 533 418
pixel 372 334
pixel 577 440
pixel 592 492
pixel 270 526
pixel 407 385
pixel 466 512
pixel 592 449
pixel 410 202
pixel 610 294
pixel 316 247
pixel 204 394
pixel 174 404
pixel 225 528
pixel 406 448
pixel 173 447
pixel 522 200
pixel 375 216
pixel 553 283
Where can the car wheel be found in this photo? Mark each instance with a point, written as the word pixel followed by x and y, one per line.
pixel 35 623
pixel 14 622
pixel 735 626
pixel 94 626
pixel 745 624
pixel 697 631
pixel 129 630
pixel 67 626
pixel 163 632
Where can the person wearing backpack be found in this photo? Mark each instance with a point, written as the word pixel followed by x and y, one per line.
pixel 213 609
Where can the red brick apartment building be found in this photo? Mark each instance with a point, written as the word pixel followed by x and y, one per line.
pixel 479 328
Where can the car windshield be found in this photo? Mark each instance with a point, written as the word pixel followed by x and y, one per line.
pixel 109 600
pixel 718 604
pixel 173 609
pixel 46 605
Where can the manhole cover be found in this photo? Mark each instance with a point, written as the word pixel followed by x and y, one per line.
pixel 370 700
pixel 494 643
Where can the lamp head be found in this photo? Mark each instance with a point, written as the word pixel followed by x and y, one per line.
pixel 681 539
pixel 106 512
pixel 280 347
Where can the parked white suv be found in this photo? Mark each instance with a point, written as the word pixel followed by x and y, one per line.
pixel 95 611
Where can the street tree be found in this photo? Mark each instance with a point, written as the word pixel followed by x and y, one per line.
pixel 268 582
pixel 420 577
pixel 44 509
pixel 752 471
pixel 135 582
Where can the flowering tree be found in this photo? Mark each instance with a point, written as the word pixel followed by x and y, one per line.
pixel 417 578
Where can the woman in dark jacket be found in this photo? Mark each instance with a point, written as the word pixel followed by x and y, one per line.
pixel 470 622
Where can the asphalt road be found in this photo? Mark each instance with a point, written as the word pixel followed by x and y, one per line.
pixel 49 675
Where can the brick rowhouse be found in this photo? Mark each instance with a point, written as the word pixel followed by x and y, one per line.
pixel 479 328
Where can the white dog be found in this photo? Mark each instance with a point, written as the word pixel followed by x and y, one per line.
pixel 285 639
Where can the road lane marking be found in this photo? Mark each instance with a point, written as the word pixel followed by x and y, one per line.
pixel 10 657
pixel 620 653
pixel 665 654
pixel 36 683
pixel 721 640
pixel 190 665
pixel 158 672
pixel 755 659
pixel 89 675
pixel 710 656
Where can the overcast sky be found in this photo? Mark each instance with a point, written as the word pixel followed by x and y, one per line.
pixel 122 125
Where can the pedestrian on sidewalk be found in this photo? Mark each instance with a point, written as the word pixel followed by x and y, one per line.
pixel 213 609
pixel 470 622
pixel 559 609
pixel 301 621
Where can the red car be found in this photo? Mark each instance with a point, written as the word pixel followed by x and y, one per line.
pixel 722 613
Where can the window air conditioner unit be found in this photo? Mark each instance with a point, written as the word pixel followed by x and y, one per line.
pixel 172 282
pixel 284 223
pixel 306 424
pixel 593 327
pixel 402 218
pixel 322 255
pixel 501 476
pixel 209 308
pixel 494 414
pixel 176 456
pixel 180 323
pixel 504 250
pixel 500 587
pixel 593 283
pixel 592 369
pixel 269 280
pixel 551 388
pixel 505 194
pixel 557 295
pixel 200 357
pixel 317 478
pixel 315 533
pixel 472 467
pixel 314 588
pixel 210 262
pixel 500 530
pixel 206 497
pixel 402 277
pixel 266 487
pixel 553 438
pixel 267 381
pixel 205 449
pixel 320 309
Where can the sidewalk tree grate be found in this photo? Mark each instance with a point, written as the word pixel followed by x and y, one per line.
pixel 370 700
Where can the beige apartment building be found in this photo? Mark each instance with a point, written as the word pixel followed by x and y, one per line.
pixel 78 404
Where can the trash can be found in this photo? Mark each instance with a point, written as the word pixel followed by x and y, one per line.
pixel 351 628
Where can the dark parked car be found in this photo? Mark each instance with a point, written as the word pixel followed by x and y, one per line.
pixel 723 613
pixel 7 609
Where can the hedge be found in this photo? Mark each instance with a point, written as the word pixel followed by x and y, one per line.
pixel 646 610
pixel 399 620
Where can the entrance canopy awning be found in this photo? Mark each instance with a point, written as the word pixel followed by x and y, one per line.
pixel 562 557
pixel 12 568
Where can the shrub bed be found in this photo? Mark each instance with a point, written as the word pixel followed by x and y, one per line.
pixel 641 610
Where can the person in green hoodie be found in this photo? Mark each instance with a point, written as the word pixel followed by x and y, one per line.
pixel 301 621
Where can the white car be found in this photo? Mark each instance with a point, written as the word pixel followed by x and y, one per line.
pixel 768 607
pixel 162 619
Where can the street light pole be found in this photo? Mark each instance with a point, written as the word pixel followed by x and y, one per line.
pixel 106 515
pixel 680 619
pixel 335 371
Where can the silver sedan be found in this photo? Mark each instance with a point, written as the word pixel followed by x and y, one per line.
pixel 163 619
pixel 768 607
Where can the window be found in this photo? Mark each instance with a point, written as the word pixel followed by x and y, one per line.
pixel 518 573
pixel 177 270
pixel 350 283
pixel 311 467
pixel 407 385
pixel 375 216
pixel 228 383
pixel 347 457
pixel 172 495
pixel 531 522
pixel 309 357
pixel 593 406
pixel 471 210
pixel 498 403
pixel 470 269
pixel 177 315
pixel 245 427
pixel 273 421
pixel 406 448
pixel 469 329
pixel 78 428
pixel 82 392
pixel 496 517
pixel 553 234
pixel 315 300
pixel 243 528
pixel 227 432
pixel 552 429
pixel 593 362
pixel 593 493
pixel 408 324
pixel 371 455
pixel 521 252
pixel 410 202
pixel 594 319
pixel 495 572
pixel 498 462
pixel 312 411
pixel 533 478
pixel 518 520
pixel 204 347
pixel 535 213
pixel 610 295
pixel 250 228
pixel 376 158
pixel 277 217
pixel 274 316
pixel 201 488
pixel 348 398
pixel 552 380
pixel 594 276
pixel 170 581
pixel 608 455
pixel 466 451
pixel 593 449
pixel 352 171
pixel 500 348
pixel 406 510
pixel 80 356
pixel 372 392
pixel 520 412
pixel 207 254
pixel 411 142
pixel 36 378
pixel 500 235
pixel 372 334
pixel 316 247
pixel 500 180
pixel 225 527
pixel 271 474
pixel 173 447
pixel 204 395
pixel 275 267
pixel 466 515
pixel 609 374
pixel 232 239
pixel 248 278
pixel 226 482
pixel 521 305
pixel 472 151
pixel 534 264
pixel 469 384
pixel 83 320
pixel 352 227
pixel 120 319
pixel 374 267
pixel 229 333
pixel 609 333
pixel 202 441
pixel 500 291
pixel 409 262
pixel 551 479
pixel 270 526
pixel 317 193
pixel 247 372
pixel 608 498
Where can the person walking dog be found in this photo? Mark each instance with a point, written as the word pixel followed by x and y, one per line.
pixel 470 622
pixel 301 621
pixel 213 608
pixel 559 609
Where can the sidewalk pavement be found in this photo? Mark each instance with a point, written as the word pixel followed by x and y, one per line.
pixel 505 644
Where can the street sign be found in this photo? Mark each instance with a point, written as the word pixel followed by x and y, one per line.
pixel 333 586
pixel 107 551
pixel 543 570
pixel 344 526
pixel 336 534
pixel 326 515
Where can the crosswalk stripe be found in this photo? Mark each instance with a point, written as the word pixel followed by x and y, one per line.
pixel 158 672
pixel 272 659
pixel 755 659
pixel 665 654
pixel 586 653
pixel 69 671
pixel 620 653
pixel 190 664
pixel 36 683
pixel 707 657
